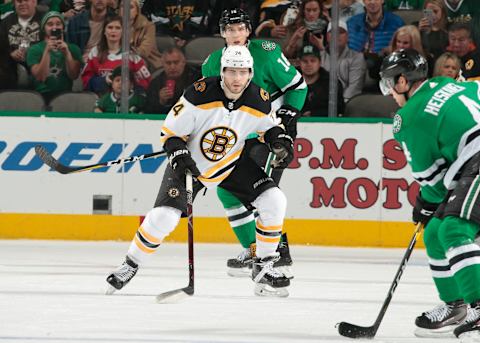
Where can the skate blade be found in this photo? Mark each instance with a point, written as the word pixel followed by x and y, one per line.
pixel 445 332
pixel 263 290
pixel 239 272
pixel 286 270
pixel 110 290
pixel 470 337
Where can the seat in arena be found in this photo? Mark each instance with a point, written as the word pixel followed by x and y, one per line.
pixel 21 101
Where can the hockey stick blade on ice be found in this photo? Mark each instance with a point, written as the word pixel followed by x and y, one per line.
pixel 355 331
pixel 182 293
pixel 53 163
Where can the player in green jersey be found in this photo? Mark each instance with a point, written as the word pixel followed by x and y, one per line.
pixel 274 73
pixel 438 127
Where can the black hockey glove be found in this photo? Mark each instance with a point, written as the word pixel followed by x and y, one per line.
pixel 179 158
pixel 289 116
pixel 281 145
pixel 423 210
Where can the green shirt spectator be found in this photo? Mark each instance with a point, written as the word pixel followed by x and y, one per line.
pixel 54 63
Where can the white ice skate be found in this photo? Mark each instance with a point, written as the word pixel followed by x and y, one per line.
pixel 269 282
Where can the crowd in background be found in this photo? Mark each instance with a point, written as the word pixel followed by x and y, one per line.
pixel 58 42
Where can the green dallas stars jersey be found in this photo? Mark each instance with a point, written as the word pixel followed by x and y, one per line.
pixel 272 72
pixel 109 103
pixel 439 130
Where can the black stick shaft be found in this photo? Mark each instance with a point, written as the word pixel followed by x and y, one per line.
pixel 397 277
pixel 355 331
pixel 49 160
pixel 189 187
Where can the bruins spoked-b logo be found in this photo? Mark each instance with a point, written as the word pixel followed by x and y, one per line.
pixel 217 142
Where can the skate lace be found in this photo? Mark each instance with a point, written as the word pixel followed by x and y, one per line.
pixel 125 272
pixel 439 313
pixel 269 270
pixel 244 255
pixel 473 314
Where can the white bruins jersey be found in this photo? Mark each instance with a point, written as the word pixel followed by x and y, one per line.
pixel 215 128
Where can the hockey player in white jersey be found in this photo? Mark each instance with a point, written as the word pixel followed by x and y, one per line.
pixel 205 133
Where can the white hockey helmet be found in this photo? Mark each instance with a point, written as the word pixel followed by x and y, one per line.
pixel 237 56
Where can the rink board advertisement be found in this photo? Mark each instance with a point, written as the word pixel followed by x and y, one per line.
pixel 349 183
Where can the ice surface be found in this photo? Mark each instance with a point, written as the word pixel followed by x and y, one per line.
pixel 52 291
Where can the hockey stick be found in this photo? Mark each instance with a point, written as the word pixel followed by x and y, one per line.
pixel 355 331
pixel 53 163
pixel 182 293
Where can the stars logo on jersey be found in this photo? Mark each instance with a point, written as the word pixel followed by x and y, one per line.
pixel 268 46
pixel 397 123
pixel 217 142
pixel 55 71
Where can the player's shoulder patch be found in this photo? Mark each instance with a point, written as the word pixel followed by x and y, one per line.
pixel 200 85
pixel 204 90
pixel 269 45
pixel 397 123
pixel 264 94
pixel 257 98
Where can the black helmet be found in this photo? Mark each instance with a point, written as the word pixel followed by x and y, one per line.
pixel 234 16
pixel 407 62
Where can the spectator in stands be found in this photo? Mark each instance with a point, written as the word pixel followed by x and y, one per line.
pixel 85 29
pixel 142 36
pixel 406 37
pixel 6 8
pixel 448 64
pixel 349 8
pixel 251 7
pixel 275 16
pixel 8 79
pixel 68 8
pixel 392 5
pixel 166 89
pixel 317 79
pixel 308 28
pixel 54 63
pixel 351 64
pixel 371 32
pixel 180 19
pixel 466 12
pixel 107 55
pixel 110 102
pixel 433 27
pixel 461 44
pixel 18 32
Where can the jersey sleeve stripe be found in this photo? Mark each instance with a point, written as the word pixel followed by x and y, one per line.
pixel 296 83
pixel 166 133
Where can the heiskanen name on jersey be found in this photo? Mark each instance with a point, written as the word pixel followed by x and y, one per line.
pixel 425 119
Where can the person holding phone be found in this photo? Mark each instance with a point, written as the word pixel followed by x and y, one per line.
pixel 433 27
pixel 53 62
pixel 166 89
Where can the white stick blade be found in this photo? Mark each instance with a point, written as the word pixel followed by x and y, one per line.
pixel 172 297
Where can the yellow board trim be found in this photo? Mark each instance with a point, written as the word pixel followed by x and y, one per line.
pixel 348 233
